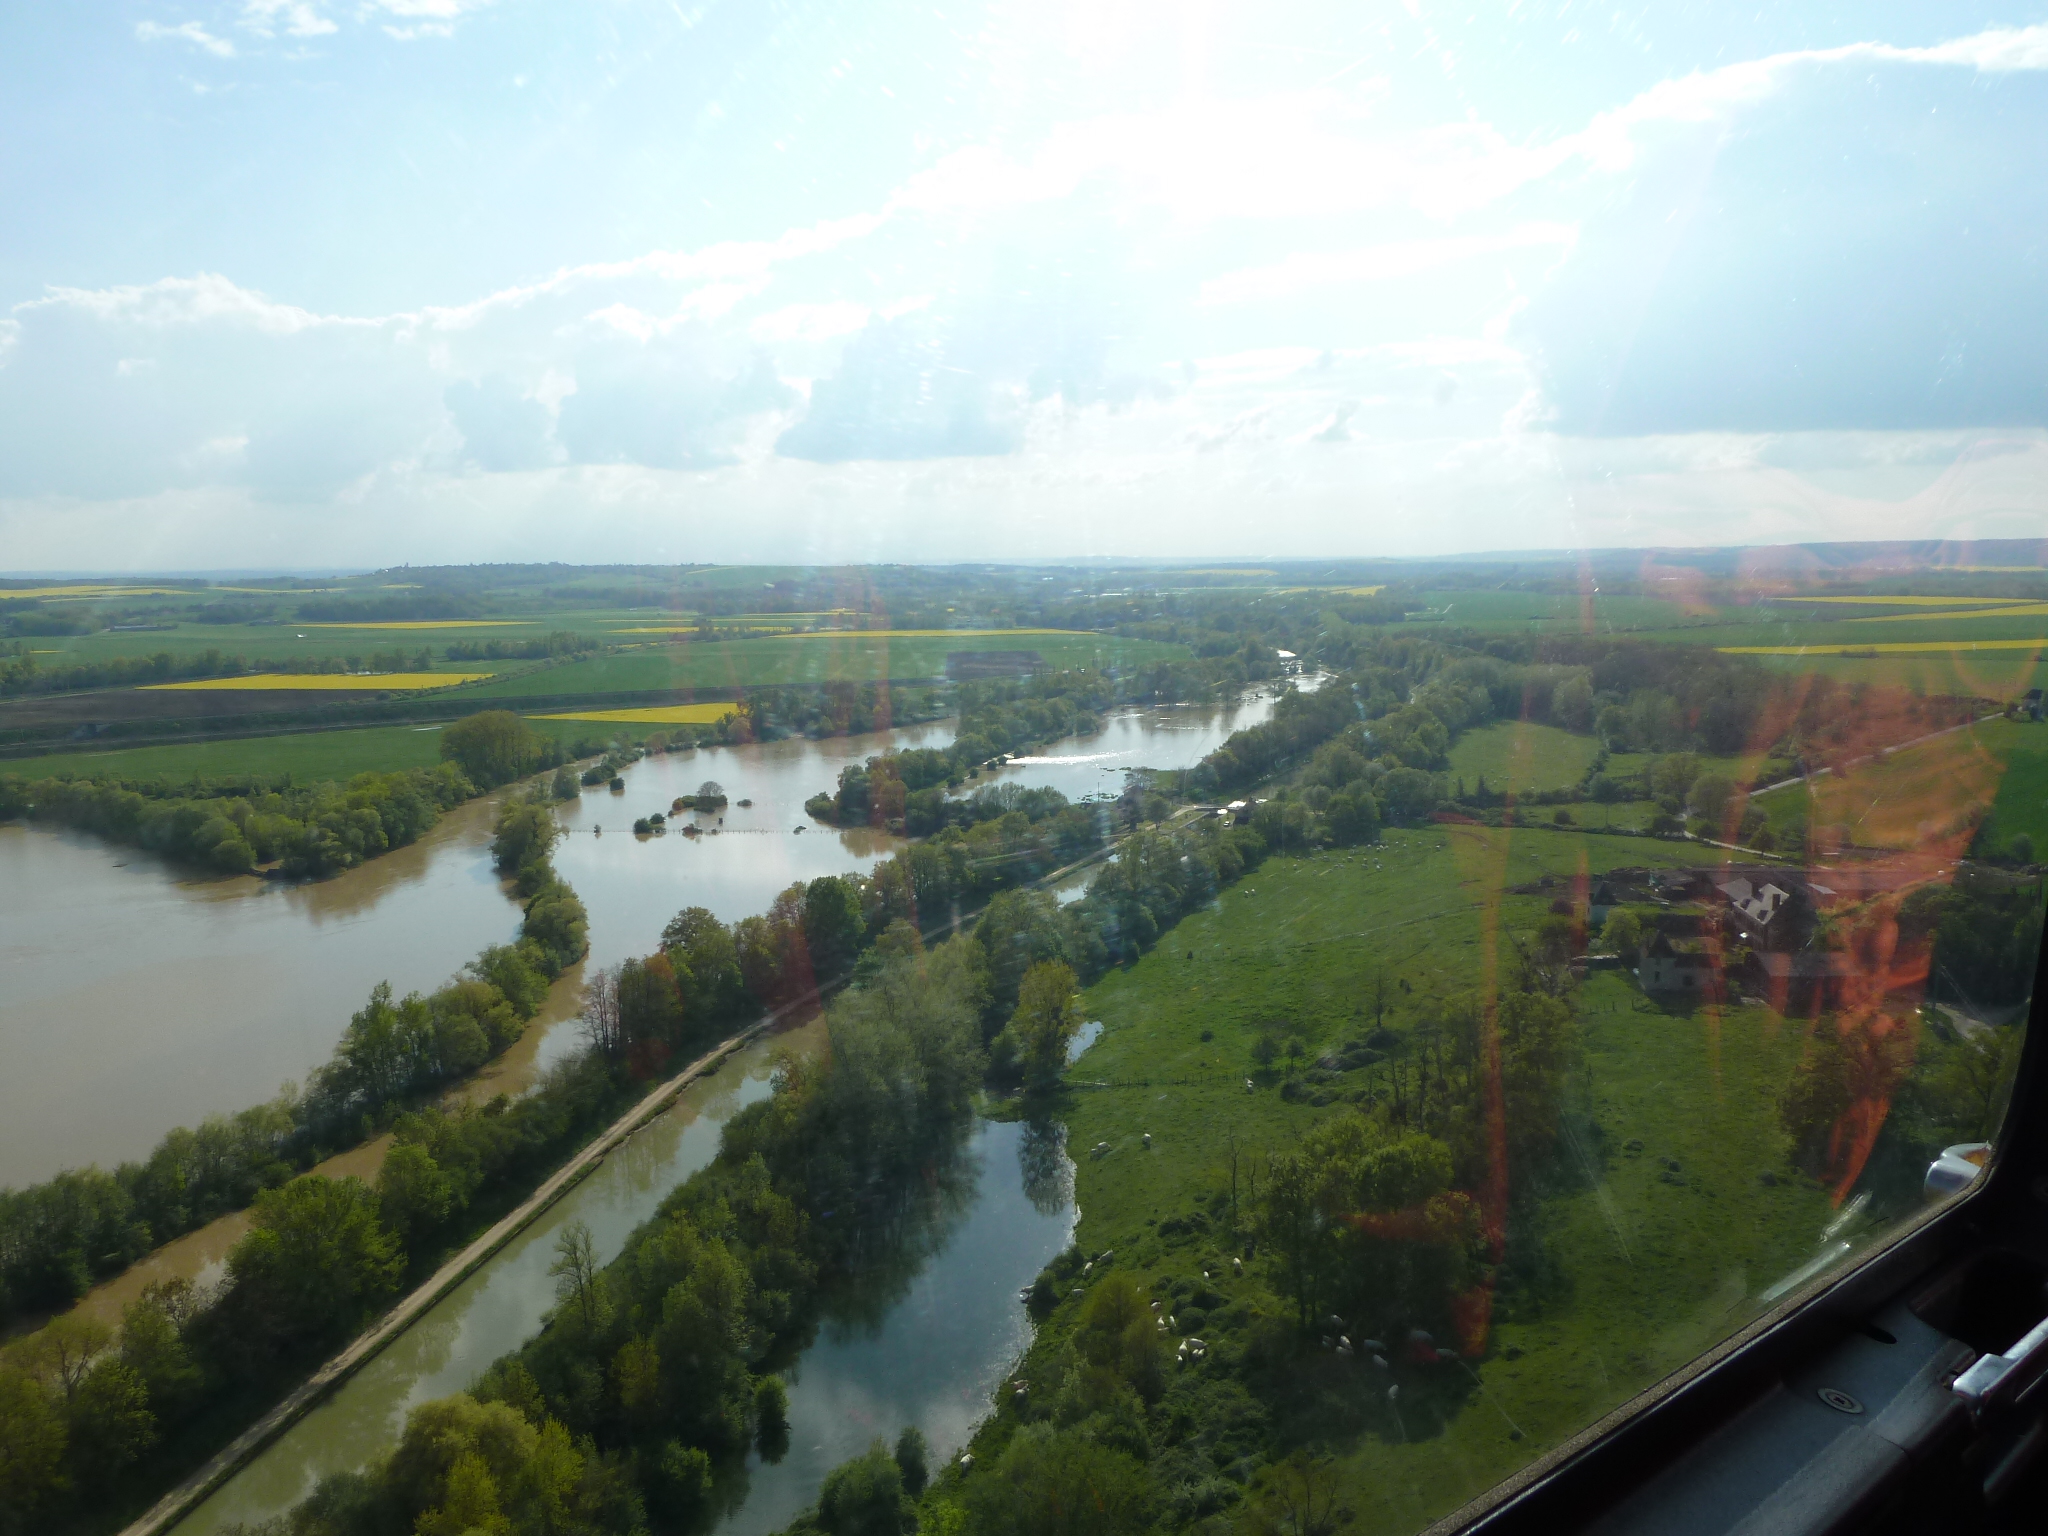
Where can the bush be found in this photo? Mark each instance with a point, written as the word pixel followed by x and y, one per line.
pixel 496 747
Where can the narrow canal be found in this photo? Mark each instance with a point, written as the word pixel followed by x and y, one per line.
pixel 929 1355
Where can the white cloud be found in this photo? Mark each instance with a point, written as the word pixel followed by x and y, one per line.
pixel 810 322
pixel 174 301
pixel 185 31
pixel 297 18
pixel 1376 263
pixel 1316 152
pixel 737 261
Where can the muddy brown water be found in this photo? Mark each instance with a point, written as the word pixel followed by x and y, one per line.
pixel 135 997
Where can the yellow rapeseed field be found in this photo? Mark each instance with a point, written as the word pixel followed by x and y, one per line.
pixel 2015 611
pixel 666 714
pixel 92 591
pixel 359 681
pixel 1884 648
pixel 927 634
pixel 1908 602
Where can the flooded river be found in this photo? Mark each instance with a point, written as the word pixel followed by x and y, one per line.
pixel 233 1018
pixel 135 997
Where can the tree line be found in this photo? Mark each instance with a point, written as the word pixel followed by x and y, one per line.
pixel 660 1367
pixel 308 831
pixel 905 790
pixel 94 1421
pixel 59 1237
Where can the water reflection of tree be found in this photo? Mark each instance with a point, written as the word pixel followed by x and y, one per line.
pixel 1042 1159
pixel 902 1230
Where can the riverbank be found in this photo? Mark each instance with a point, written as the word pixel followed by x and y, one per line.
pixel 244 1448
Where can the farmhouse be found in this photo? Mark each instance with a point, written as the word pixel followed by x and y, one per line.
pixel 1758 904
pixel 1675 964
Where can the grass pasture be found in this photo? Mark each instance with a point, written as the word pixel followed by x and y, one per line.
pixel 841 657
pixel 1646 1270
pixel 1928 795
pixel 1522 755
pixel 1985 674
pixel 310 757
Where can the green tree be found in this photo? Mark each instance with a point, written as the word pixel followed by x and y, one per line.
pixel 832 925
pixel 492 748
pixel 1048 1017
pixel 1118 1334
pixel 1623 933
pixel 864 1497
pixel 523 836
pixel 32 1445
pixel 414 1195
pixel 1290 1227
pixel 153 1344
pixel 1571 703
pixel 771 1417
pixel 316 1260
pixel 913 1460
pixel 1353 816
pixel 578 1284
pixel 1060 1483
pixel 1018 929
pixel 111 1424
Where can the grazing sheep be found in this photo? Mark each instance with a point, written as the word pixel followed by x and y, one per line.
pixel 1237 1266
pixel 1148 1141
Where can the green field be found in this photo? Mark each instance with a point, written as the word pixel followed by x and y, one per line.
pixel 837 658
pixel 1520 755
pixel 1927 795
pixel 1563 612
pixel 271 642
pixel 1997 675
pixel 1648 1271
pixel 309 756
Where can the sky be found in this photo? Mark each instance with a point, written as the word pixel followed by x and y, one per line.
pixel 296 284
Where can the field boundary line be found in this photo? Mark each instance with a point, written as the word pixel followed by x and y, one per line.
pixel 245 1447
